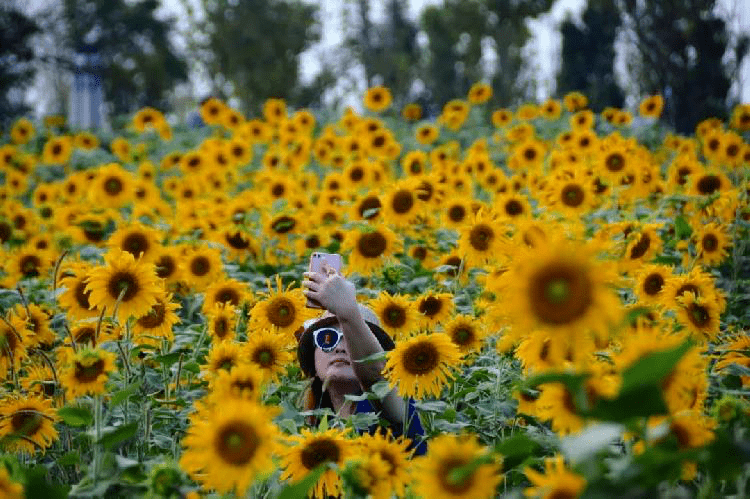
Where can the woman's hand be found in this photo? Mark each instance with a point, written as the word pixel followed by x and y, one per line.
pixel 332 291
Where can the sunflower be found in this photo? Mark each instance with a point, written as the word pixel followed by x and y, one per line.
pixel 401 204
pixel 422 365
pixel 137 239
pixel 556 404
pixel 378 99
pixel 560 287
pixel 555 483
pixel 242 382
pixel 282 310
pixel 411 112
pixel 713 243
pixel 122 278
pixel 225 291
pixel 733 352
pixel 202 266
pixel 582 120
pixel 529 154
pixel 651 106
pixel 426 134
pixel 224 355
pixel 481 240
pixel 27 424
pixel 572 195
pixel 698 282
pixel 551 109
pixel 221 320
pixel 269 352
pixel 650 282
pixel 394 476
pixel 57 150
pixel 479 93
pixel 147 117
pixel 112 187
pixel 12 349
pixel 226 450
pixel 466 332
pixel 575 101
pixel 699 316
pixel 37 319
pixel 212 111
pixel 86 141
pixel 397 314
pixel 369 250
pixel 87 372
pixel 157 324
pixel 447 471
pixel 644 245
pixel 22 131
pixel 709 182
pixel 308 450
pixel 434 308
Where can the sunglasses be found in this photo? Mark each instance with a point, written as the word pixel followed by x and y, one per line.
pixel 327 338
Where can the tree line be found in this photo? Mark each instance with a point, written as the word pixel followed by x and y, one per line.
pixel 250 50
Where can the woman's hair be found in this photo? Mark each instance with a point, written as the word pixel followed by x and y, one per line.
pixel 314 396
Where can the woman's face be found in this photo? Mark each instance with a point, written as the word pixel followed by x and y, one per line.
pixel 336 365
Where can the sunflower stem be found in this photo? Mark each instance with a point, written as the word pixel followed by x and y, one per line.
pixel 99 325
pixel 97 434
pixel 24 301
pixel 117 303
pixel 54 279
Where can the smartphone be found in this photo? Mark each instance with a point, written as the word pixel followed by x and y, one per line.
pixel 317 260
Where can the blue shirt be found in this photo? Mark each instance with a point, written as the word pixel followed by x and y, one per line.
pixel 415 432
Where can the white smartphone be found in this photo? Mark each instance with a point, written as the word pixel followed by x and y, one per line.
pixel 317 260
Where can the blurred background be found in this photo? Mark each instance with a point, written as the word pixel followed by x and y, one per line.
pixel 95 60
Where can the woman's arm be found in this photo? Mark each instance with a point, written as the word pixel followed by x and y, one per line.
pixel 339 297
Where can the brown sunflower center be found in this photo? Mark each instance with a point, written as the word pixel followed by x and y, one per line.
pixel 708 184
pixel 221 327
pixel 5 231
pixel 154 318
pixel 236 442
pixel 29 265
pixel 227 295
pixel 710 243
pixel 430 306
pixel 312 241
pixel 560 293
pixel 135 244
pixel 419 252
pixel 529 153
pixel 236 241
pixel 264 357
pixel 357 174
pixel 394 315
pixel 372 244
pixel 615 162
pixel 481 237
pixel 93 230
pixel 26 421
pixel 123 280
pixel 281 312
pixel 113 186
pixel 653 284
pixel 200 266
pixel 88 373
pixel 463 335
pixel 698 315
pixel 403 201
pixel 165 266
pixel 450 481
pixel 456 213
pixel 367 204
pixel 513 208
pixel 572 195
pixel 421 358
pixel 641 247
pixel 82 296
pixel 378 141
pixel 283 224
pixel 425 191
pixel 85 334
pixel 244 385
pixel 320 451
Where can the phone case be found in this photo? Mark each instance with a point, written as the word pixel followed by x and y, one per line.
pixel 316 263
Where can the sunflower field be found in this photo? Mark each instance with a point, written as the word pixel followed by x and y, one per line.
pixel 568 291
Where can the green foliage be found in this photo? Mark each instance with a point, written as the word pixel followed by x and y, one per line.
pixel 138 64
pixel 588 55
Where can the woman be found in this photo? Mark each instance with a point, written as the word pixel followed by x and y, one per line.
pixel 331 349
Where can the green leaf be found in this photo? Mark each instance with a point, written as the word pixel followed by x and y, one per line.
pixel 301 488
pixel 69 459
pixel 38 486
pixel 122 395
pixel 119 435
pixel 376 357
pixel 652 368
pixel 168 359
pixel 682 228
pixel 192 367
pixel 75 416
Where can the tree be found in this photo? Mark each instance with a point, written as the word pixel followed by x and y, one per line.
pixel 588 54
pixel 457 31
pixel 138 64
pixel 679 48
pixel 388 51
pixel 16 56
pixel 250 49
